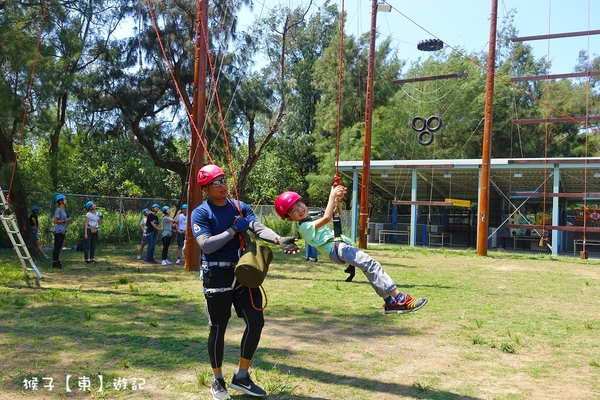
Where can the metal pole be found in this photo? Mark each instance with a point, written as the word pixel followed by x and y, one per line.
pixel 486 153
pixel 366 166
pixel 192 251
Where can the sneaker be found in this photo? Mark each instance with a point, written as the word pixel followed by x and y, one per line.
pixel 218 390
pixel 178 261
pixel 86 262
pixel 164 262
pixel 409 305
pixel 169 262
pixel 247 386
pixel 139 257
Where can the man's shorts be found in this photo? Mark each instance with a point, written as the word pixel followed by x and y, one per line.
pixel 144 240
pixel 35 235
pixel 180 239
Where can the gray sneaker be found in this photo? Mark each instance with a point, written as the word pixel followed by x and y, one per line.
pixel 218 390
pixel 247 386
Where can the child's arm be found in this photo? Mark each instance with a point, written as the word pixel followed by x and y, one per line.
pixel 335 195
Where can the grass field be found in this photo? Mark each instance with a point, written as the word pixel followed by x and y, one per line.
pixel 497 327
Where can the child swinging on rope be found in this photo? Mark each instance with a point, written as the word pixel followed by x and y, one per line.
pixel 317 233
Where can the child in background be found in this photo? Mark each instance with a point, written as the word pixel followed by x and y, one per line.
pixel 181 222
pixel 318 234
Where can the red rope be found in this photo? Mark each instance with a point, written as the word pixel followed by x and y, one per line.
pixel 187 111
pixel 252 300
pixel 336 179
pixel 28 97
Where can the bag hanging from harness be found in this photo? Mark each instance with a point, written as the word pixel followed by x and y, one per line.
pixel 251 270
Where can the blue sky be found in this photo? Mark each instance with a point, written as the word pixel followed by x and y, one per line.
pixel 466 24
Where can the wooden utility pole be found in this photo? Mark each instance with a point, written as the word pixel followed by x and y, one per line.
pixel 196 158
pixel 486 152
pixel 366 166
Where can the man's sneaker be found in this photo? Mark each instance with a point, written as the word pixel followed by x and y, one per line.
pixel 409 305
pixel 139 257
pixel 218 390
pixel 247 386
pixel 164 262
pixel 178 261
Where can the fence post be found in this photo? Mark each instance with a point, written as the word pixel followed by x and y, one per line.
pixel 121 217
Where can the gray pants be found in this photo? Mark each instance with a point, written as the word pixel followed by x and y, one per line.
pixel 343 253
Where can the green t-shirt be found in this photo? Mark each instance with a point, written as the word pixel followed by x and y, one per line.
pixel 321 239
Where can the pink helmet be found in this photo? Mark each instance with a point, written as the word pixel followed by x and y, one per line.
pixel 284 201
pixel 208 173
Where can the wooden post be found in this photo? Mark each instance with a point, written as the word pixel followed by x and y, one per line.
pixel 196 157
pixel 486 154
pixel 366 167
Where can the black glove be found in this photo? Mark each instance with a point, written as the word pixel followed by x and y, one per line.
pixel 241 225
pixel 288 244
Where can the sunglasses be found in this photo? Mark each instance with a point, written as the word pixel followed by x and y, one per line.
pixel 218 182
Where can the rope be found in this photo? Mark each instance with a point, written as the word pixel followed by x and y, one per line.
pixel 164 53
pixel 336 179
pixel 27 98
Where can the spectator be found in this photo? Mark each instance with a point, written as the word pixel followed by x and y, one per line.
pixel 152 229
pixel 144 240
pixel 93 220
pixel 167 234
pixel 59 230
pixel 33 218
pixel 181 223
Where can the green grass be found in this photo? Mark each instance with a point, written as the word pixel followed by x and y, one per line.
pixel 499 327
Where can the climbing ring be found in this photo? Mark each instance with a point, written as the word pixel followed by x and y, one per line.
pixel 425 137
pixel 418 123
pixel 434 123
pixel 426 127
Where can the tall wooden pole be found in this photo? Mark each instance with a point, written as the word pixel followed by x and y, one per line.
pixel 486 152
pixel 366 166
pixel 192 250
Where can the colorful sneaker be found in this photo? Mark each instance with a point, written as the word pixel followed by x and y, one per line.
pixel 218 390
pixel 409 305
pixel 247 386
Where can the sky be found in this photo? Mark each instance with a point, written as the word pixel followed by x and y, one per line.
pixel 465 24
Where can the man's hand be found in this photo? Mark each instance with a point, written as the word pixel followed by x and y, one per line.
pixel 241 225
pixel 288 245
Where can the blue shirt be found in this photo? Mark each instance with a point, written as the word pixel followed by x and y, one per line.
pixel 210 219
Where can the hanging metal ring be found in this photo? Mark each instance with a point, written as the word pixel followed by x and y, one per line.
pixel 425 134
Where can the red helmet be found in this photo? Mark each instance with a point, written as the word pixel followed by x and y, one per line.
pixel 284 201
pixel 208 173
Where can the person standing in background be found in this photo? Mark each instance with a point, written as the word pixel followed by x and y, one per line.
pixel 181 221
pixel 33 218
pixel 144 240
pixel 93 220
pixel 167 234
pixel 59 231
pixel 151 230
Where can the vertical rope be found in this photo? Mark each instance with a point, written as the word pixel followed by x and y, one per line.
pixel 339 97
